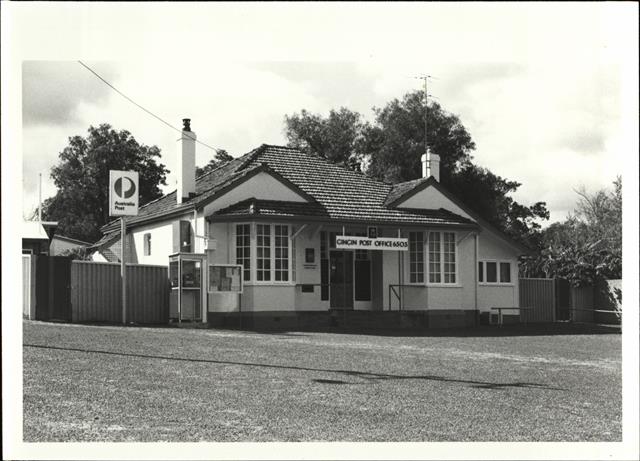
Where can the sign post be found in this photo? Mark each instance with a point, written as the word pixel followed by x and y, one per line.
pixel 123 201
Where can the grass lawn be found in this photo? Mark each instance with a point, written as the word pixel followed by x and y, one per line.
pixel 109 383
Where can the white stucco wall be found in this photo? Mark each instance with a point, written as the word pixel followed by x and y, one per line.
pixel 431 199
pixel 261 186
pixel 161 242
pixel 492 248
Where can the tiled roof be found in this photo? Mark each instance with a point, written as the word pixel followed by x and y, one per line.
pixel 253 207
pixel 342 194
pixel 401 188
pixel 272 208
pixel 346 195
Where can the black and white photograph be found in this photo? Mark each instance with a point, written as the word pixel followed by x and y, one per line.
pixel 320 230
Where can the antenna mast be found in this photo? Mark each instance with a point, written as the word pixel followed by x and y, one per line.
pixel 424 79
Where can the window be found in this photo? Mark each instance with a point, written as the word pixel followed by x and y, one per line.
pixel 263 253
pixel 243 249
pixel 505 272
pixel 449 256
pixel 494 272
pixel 147 244
pixel 416 257
pixel 442 257
pixel 269 252
pixel 281 253
pixel 435 272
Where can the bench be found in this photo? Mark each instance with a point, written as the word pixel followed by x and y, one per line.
pixel 500 309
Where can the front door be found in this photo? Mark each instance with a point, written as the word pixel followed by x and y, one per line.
pixel 341 279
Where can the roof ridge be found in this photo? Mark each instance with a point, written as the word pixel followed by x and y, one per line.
pixel 216 168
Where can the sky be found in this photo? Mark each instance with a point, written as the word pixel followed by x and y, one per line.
pixel 540 88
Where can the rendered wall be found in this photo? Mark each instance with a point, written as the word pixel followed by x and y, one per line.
pixel 431 199
pixel 503 294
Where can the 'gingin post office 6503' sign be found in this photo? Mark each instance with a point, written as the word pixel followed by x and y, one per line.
pixel 349 242
pixel 123 193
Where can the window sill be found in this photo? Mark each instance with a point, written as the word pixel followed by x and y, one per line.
pixel 495 284
pixel 270 284
pixel 443 285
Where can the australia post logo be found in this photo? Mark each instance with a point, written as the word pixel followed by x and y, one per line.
pixel 123 193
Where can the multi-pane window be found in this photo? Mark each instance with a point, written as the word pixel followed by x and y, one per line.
pixel 416 257
pixel 281 253
pixel 267 248
pixel 449 256
pixel 435 269
pixel 441 257
pixel 263 252
pixel 243 249
pixel 494 272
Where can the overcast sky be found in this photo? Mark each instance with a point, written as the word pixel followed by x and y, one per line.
pixel 539 87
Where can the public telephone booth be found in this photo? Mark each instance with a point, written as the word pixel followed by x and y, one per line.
pixel 186 275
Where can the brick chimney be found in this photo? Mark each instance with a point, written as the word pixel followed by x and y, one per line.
pixel 186 162
pixel 431 165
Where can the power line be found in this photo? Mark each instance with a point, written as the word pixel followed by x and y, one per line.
pixel 139 106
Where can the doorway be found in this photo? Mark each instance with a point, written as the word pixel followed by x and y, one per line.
pixel 341 280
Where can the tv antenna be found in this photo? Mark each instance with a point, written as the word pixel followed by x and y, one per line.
pixel 425 78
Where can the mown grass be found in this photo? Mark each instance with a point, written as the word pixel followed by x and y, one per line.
pixel 101 383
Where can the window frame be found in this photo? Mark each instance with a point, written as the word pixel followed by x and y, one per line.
pixel 456 273
pixel 424 259
pixel 498 281
pixel 147 243
pixel 253 253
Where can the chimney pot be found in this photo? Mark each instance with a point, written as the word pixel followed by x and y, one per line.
pixel 186 167
pixel 431 165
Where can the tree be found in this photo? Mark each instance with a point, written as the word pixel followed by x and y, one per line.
pixel 221 157
pixel 82 177
pixel 392 147
pixel 338 138
pixel 587 245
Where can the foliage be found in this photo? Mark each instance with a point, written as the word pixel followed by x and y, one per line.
pixel 338 138
pixel 587 245
pixel 391 148
pixel 78 253
pixel 221 157
pixel 82 177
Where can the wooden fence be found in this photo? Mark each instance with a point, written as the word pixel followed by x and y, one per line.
pixel 96 293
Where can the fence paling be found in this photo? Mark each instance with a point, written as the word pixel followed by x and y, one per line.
pixel 537 294
pixel 96 293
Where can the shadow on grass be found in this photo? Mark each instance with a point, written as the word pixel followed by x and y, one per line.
pixel 368 377
pixel 533 329
pixel 547 329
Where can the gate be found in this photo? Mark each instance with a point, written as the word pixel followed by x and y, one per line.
pixel 538 295
pixel 53 288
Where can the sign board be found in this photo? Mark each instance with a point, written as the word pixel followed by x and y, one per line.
pixel 350 242
pixel 225 278
pixel 123 193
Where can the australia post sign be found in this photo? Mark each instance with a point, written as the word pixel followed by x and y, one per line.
pixel 348 242
pixel 123 193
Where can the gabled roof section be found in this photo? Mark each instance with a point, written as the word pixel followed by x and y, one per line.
pixel 254 207
pixel 403 191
